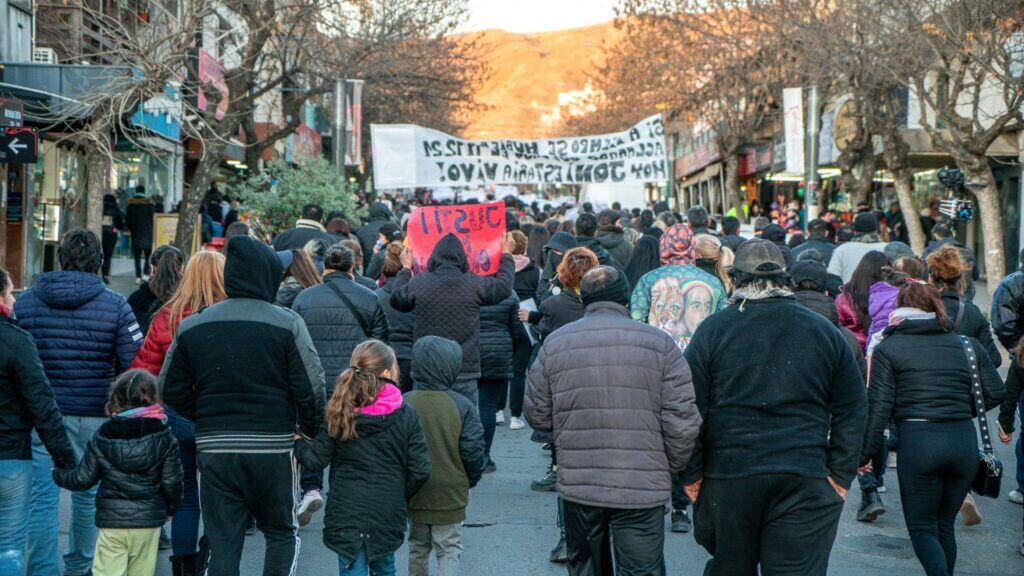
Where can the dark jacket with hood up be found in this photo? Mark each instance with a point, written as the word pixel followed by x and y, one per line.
pixel 368 233
pixel 447 298
pixel 617 246
pixel 604 258
pixel 304 232
pixel 454 434
pixel 560 242
pixel 86 336
pixel 245 370
pixel 334 327
pixel 401 323
pixel 500 329
pixel 138 467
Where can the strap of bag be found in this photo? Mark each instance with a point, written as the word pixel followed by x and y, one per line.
pixel 959 315
pixel 351 308
pixel 979 400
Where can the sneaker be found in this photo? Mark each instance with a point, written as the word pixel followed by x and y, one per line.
pixel 490 467
pixel 1016 496
pixel 499 418
pixel 871 507
pixel 516 423
pixel 882 489
pixel 311 502
pixel 546 446
pixel 165 540
pixel 250 526
pixel 969 510
pixel 138 280
pixel 548 482
pixel 681 522
pixel 558 553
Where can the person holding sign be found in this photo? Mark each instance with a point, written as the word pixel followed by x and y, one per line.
pixel 447 298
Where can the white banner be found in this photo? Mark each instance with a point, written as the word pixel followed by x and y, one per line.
pixel 793 125
pixel 407 156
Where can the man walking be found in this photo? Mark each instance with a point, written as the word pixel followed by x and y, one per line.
pixel 784 412
pixel 848 255
pixel 139 219
pixel 245 394
pixel 817 240
pixel 86 335
pixel 618 396
pixel 309 227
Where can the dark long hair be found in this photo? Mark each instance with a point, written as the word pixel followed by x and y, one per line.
pixel 170 265
pixel 539 236
pixel 868 272
pixel 923 297
pixel 646 257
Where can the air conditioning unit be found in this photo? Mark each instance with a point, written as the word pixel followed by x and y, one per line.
pixel 44 55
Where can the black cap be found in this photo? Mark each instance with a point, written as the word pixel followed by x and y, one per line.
pixel 391 231
pixel 759 257
pixel 805 270
pixel 865 223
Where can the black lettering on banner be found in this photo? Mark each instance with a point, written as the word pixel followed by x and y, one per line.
pixel 423 222
pixel 490 170
pixel 437 221
pixel 452 146
pixel 601 172
pixel 634 134
pixel 453 173
pixel 617 170
pixel 440 168
pixel 457 225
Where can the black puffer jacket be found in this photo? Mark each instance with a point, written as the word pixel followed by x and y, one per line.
pixel 972 323
pixel 1007 314
pixel 138 467
pixel 447 298
pixel 617 246
pixel 373 477
pixel 401 323
pixel 368 233
pixel 26 401
pixel 335 327
pixel 527 279
pixel 826 306
pixel 1014 389
pixel 557 311
pixel 920 371
pixel 500 328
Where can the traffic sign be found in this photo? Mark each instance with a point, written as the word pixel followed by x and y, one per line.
pixel 12 113
pixel 19 145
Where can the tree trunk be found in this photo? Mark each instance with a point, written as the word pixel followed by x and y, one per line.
pixel 97 172
pixel 904 187
pixel 732 185
pixel 192 199
pixel 976 169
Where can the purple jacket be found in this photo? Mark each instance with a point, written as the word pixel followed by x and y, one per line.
pixel 881 301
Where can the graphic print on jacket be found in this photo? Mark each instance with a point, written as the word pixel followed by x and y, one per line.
pixel 676 299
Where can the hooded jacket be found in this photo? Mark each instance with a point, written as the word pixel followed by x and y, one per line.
pixel 618 396
pixel 86 336
pixel 604 258
pixel 820 303
pixel 245 370
pixel 1007 312
pixel 304 232
pixel 454 434
pixel 373 477
pixel 822 245
pixel 401 323
pixel 138 467
pixel 158 340
pixel 560 242
pixel 617 246
pixel 368 233
pixel 500 330
pixel 447 298
pixel 971 323
pixel 881 302
pixel 138 215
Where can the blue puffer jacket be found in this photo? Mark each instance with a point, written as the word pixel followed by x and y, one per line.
pixel 85 333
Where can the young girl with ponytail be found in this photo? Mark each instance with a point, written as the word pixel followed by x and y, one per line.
pixel 379 460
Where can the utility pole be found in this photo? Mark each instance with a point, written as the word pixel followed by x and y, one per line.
pixel 813 133
pixel 339 126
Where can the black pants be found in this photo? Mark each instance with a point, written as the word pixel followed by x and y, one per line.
pixel 870 481
pixel 937 460
pixel 782 522
pixel 521 354
pixel 232 486
pixel 141 264
pixel 636 537
pixel 490 393
pixel 109 244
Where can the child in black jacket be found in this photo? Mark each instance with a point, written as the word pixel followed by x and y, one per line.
pixel 135 459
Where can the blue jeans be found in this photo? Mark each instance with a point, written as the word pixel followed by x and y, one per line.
pixel 44 517
pixel 185 524
pixel 489 398
pixel 381 567
pixel 15 492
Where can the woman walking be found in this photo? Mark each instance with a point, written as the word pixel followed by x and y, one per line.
pixel 299 273
pixel 852 303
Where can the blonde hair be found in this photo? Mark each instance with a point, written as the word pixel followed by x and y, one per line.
pixel 358 386
pixel 711 248
pixel 202 285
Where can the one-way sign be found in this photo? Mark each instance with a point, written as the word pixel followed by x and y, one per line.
pixel 19 145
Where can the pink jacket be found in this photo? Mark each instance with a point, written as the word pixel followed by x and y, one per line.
pixel 848 318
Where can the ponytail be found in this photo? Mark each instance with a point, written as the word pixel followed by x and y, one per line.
pixel 357 387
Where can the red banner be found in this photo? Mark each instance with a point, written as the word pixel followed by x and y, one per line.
pixel 480 227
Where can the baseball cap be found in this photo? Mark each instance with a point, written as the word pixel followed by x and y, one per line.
pixel 809 270
pixel 759 257
pixel 865 223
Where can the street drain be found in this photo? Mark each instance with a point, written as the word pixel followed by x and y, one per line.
pixel 879 545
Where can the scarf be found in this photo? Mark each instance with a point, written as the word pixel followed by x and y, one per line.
pixel 151 411
pixel 6 311
pixel 758 290
pixel 868 238
pixel 303 223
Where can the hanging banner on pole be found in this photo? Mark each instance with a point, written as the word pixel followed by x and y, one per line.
pixel 480 227
pixel 793 125
pixel 353 122
pixel 407 156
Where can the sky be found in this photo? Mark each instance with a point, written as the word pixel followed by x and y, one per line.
pixel 537 15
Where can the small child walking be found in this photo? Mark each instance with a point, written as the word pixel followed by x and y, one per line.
pixel 456 441
pixel 135 460
pixel 378 457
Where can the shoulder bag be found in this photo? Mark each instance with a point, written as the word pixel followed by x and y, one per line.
pixel 990 468
pixel 351 308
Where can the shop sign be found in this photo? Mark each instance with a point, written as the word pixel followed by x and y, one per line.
pixel 12 113
pixel 19 145
pixel 161 114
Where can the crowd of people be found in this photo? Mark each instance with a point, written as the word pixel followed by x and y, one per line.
pixel 667 363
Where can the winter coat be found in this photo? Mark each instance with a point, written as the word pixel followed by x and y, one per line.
pixel 848 255
pixel 881 301
pixel 617 394
pixel 368 234
pixel 26 401
pixel 777 235
pixel 848 319
pixel 138 467
pixel 336 329
pixel 401 323
pixel 500 328
pixel 1013 398
pixel 527 278
pixel 113 218
pixel 823 246
pixel 373 477
pixel 288 292
pixel 557 311
pixel 821 304
pixel 972 323
pixel 1007 313
pixel 733 241
pixel 304 232
pixel 780 393
pixel 603 257
pixel 158 340
pixel 144 304
pixel 919 371
pixel 660 299
pixel 617 246
pixel 86 336
pixel 454 434
pixel 447 298
pixel 139 220
pixel 261 377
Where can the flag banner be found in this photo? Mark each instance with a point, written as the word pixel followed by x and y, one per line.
pixel 480 227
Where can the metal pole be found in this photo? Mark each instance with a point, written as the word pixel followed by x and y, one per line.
pixel 813 133
pixel 339 126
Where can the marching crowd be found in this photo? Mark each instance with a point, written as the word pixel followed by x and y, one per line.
pixel 665 362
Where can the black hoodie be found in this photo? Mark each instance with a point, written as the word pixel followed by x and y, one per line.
pixel 447 298
pixel 244 369
pixel 378 215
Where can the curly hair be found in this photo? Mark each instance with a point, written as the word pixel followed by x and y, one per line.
pixel 80 250
pixel 946 267
pixel 575 264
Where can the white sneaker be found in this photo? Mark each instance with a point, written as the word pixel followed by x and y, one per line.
pixel 311 502
pixel 138 280
pixel 516 423
pixel 1016 496
pixel 499 417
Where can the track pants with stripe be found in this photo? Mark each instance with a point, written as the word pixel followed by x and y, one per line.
pixel 234 485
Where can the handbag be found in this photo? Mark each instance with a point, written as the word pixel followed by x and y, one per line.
pixel 990 468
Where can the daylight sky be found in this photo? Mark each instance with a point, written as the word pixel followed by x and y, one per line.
pixel 537 15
